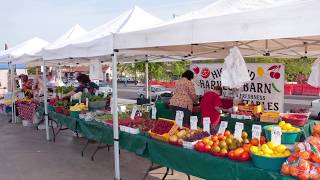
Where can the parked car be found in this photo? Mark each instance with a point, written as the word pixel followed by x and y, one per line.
pixel 315 108
pixel 105 88
pixel 154 91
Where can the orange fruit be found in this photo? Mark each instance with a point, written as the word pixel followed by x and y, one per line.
pixel 238 152
pixel 285 169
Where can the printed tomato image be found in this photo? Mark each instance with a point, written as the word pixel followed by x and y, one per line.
pixel 205 73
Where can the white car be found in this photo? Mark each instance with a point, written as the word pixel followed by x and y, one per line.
pixel 315 108
pixel 154 91
pixel 105 88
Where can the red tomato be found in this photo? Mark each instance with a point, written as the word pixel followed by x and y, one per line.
pixel 231 154
pixel 255 142
pixel 262 140
pixel 245 155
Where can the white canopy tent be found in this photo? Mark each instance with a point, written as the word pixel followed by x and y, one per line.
pixel 20 52
pixel 23 51
pixel 99 41
pixel 281 28
pixel 99 44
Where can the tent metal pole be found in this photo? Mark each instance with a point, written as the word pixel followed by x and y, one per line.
pixel 147 75
pixel 115 116
pixel 12 93
pixel 45 99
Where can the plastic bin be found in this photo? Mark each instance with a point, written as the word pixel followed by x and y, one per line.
pixel 268 163
pixel 286 138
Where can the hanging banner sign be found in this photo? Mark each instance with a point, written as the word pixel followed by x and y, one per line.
pixel 266 86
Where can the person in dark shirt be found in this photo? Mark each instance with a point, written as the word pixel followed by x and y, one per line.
pixel 85 86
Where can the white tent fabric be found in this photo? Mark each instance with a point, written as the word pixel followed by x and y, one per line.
pixel 73 33
pixel 234 72
pixel 280 29
pixel 314 78
pixel 22 52
pixel 100 41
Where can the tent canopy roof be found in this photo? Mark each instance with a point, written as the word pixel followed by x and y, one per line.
pixel 281 28
pixel 99 41
pixel 21 51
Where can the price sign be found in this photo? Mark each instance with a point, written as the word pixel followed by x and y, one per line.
pixel 134 111
pixel 194 122
pixel 276 135
pixel 154 112
pixel 206 124
pixel 179 118
pixel 223 126
pixel 256 131
pixel 238 130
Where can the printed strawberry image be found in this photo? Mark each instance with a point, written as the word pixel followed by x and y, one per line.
pixel 274 71
pixel 196 70
pixel 205 73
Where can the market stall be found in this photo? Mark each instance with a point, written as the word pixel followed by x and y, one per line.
pixel 198 164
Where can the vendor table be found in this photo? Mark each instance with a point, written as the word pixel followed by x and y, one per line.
pixel 164 112
pixel 184 160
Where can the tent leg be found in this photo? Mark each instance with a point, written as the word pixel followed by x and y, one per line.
pixel 115 116
pixel 12 93
pixel 45 100
pixel 147 76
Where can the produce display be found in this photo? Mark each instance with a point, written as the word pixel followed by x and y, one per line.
pixel 64 89
pixel 285 127
pixel 79 107
pixel 304 163
pixel 92 98
pixel 162 127
pixel 270 117
pixel 223 145
pixel 270 150
pixel 296 119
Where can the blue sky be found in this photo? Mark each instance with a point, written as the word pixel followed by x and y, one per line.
pixel 48 19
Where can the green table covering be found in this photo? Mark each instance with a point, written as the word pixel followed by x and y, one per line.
pixel 205 165
pixel 184 160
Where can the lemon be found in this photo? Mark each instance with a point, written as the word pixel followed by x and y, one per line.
pixel 254 149
pixel 267 151
pixel 296 129
pixel 284 131
pixel 277 154
pixel 287 126
pixel 264 146
pixel 281 148
pixel 287 153
pixel 260 153
pixel 271 145
pixel 282 123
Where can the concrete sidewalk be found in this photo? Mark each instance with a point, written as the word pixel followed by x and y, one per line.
pixel 26 155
